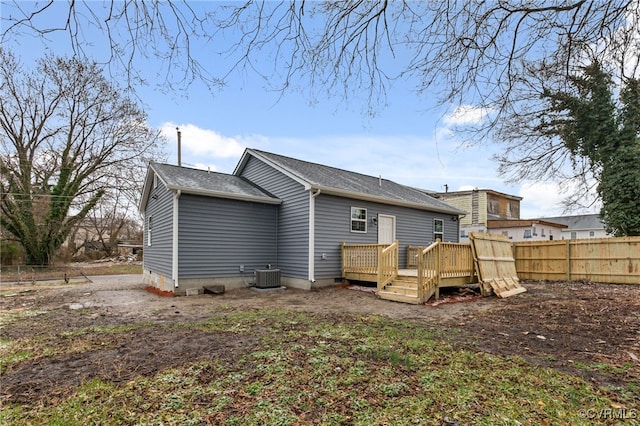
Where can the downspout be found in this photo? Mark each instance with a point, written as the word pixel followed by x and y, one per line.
pixel 312 233
pixel 174 257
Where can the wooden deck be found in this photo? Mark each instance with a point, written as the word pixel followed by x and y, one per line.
pixel 428 269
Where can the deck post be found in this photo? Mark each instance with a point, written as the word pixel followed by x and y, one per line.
pixel 438 268
pixel 380 278
pixel 420 277
pixel 343 267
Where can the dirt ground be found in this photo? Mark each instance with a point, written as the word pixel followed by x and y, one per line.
pixel 567 326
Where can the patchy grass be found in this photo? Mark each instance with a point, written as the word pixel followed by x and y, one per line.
pixel 308 369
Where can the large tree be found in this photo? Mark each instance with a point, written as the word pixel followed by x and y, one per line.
pixel 67 136
pixel 590 134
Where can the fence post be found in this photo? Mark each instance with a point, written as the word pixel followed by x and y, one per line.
pixel 568 255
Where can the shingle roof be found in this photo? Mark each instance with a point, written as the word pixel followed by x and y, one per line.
pixel 584 221
pixel 352 184
pixel 209 183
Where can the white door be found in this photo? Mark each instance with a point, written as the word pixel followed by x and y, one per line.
pixel 386 229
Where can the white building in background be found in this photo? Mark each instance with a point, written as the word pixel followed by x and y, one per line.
pixel 580 226
pixel 526 229
pixel 499 213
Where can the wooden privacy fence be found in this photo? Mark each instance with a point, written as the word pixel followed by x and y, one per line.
pixel 610 260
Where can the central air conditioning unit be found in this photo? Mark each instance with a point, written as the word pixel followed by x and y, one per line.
pixel 267 278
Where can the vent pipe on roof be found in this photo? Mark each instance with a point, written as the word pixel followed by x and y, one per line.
pixel 179 147
pixel 380 181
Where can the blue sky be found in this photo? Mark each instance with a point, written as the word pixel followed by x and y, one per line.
pixel 407 140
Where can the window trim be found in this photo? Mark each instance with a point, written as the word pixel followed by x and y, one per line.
pixel 441 232
pixel 354 219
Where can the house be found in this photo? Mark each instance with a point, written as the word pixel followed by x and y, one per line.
pixel 498 213
pixel 275 212
pixel 526 229
pixel 580 226
pixel 481 205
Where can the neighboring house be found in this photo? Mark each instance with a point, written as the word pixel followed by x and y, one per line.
pixel 274 211
pixel 481 205
pixel 526 229
pixel 580 226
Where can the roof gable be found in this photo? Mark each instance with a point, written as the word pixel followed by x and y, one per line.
pixel 344 183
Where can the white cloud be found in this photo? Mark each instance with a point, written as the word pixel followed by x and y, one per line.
pixel 466 188
pixel 201 142
pixel 541 199
pixel 466 115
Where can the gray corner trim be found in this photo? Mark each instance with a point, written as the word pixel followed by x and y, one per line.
pixel 175 239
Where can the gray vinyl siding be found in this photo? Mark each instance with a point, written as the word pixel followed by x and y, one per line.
pixel 293 221
pixel 218 235
pixel 333 226
pixel 157 257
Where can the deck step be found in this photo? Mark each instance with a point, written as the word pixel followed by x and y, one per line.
pixel 401 288
pixel 409 278
pixel 398 297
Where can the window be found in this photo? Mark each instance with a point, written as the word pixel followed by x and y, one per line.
pixel 358 219
pixel 542 233
pixel 573 235
pixel 438 229
pixel 505 233
pixel 592 233
pixel 527 233
pixel 149 226
pixel 463 234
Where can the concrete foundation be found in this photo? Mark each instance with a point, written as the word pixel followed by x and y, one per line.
pixel 194 286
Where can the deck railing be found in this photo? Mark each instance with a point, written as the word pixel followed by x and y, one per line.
pixel 428 264
pixel 439 261
pixel 388 264
pixel 456 260
pixel 360 258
